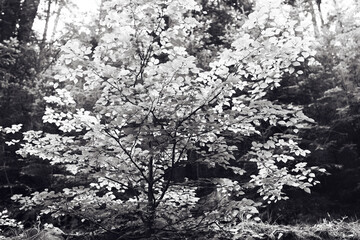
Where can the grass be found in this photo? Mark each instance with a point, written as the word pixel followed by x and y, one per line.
pixel 342 229
pixel 324 230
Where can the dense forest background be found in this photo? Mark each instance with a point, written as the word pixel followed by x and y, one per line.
pixel 255 134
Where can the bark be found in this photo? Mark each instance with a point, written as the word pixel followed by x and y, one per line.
pixel 27 16
pixel 339 23
pixel 9 13
pixel 151 201
pixel 318 3
pixel 58 13
pixel 313 18
pixel 48 10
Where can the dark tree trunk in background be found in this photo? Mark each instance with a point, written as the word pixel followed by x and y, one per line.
pixel 16 19
pixel 27 16
pixel 9 13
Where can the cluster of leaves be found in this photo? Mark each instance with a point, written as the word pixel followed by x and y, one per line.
pixel 10 130
pixel 6 221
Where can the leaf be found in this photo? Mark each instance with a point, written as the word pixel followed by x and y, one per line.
pixel 300 59
pixel 307 190
pixel 264 85
pixel 257 219
pixel 305 54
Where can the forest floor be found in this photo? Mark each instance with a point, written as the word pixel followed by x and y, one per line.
pixel 247 230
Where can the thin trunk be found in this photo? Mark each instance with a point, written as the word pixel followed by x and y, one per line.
pixel 197 170
pixel 101 16
pixel 339 24
pixel 46 24
pixel 151 200
pixel 318 3
pixel 298 9
pixel 313 18
pixel 43 41
pixel 57 17
pixel 7 179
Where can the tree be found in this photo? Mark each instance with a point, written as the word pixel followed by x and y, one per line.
pixel 16 18
pixel 150 114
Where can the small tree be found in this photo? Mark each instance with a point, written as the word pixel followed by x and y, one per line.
pixel 154 106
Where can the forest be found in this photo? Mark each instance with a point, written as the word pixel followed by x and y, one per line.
pixel 179 119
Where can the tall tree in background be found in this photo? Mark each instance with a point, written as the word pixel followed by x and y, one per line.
pixel 17 18
pixel 26 19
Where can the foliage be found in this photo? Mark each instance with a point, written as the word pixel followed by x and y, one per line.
pixel 21 92
pixel 6 221
pixel 44 232
pixel 328 89
pixel 151 114
pixel 22 62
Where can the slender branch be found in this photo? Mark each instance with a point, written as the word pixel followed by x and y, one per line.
pixel 179 123
pixel 171 171
pixel 116 181
pixel 151 196
pixel 184 148
pixel 175 162
pixel 7 178
pixel 93 221
pixel 128 154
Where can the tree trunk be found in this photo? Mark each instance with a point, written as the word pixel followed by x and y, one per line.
pixel 9 13
pixel 57 17
pixel 318 3
pixel 150 218
pixel 47 19
pixel 313 18
pixel 27 16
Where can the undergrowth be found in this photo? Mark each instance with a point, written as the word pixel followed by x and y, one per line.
pixel 251 230
pixel 324 230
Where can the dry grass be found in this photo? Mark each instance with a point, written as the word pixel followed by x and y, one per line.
pixel 327 230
